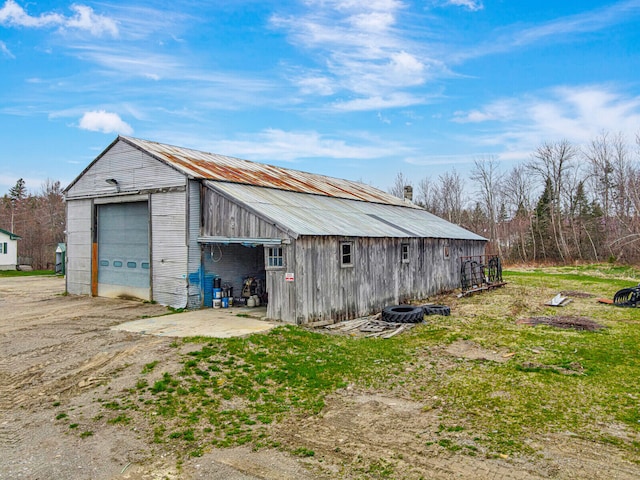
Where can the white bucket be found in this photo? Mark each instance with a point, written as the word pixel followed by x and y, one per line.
pixel 251 302
pixel 217 303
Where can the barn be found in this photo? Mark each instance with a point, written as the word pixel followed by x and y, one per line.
pixel 169 224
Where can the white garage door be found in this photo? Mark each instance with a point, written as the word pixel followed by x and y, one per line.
pixel 123 250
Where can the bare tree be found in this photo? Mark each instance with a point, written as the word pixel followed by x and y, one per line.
pixel 488 179
pixel 427 196
pixel 450 191
pixel 39 219
pixel 401 181
pixel 551 162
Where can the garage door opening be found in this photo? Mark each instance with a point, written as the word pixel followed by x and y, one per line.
pixel 239 271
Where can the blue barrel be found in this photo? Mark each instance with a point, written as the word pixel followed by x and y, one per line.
pixel 217 293
pixel 208 292
pixel 225 302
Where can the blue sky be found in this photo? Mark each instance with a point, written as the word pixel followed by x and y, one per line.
pixel 353 89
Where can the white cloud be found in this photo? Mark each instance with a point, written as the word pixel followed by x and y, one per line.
pixel 86 19
pixel 394 100
pixel 501 110
pixel 363 48
pixel 105 122
pixel 577 114
pixel 432 160
pixel 280 145
pixel 473 5
pixel 315 85
pixel 5 50
pixel 565 28
pixel 12 14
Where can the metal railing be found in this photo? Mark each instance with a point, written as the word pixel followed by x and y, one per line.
pixel 480 272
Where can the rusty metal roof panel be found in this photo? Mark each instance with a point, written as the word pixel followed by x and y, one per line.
pixel 210 166
pixel 312 215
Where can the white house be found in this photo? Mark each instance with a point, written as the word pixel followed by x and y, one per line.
pixel 8 250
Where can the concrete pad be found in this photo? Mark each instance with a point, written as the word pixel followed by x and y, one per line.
pixel 217 323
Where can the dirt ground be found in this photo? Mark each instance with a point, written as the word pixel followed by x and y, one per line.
pixel 58 358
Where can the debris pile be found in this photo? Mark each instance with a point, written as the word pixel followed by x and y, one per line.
pixel 370 327
pixel 577 323
pixel 576 294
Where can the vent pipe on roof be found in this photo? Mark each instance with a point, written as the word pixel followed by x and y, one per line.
pixel 408 193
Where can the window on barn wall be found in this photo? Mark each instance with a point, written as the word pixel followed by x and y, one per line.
pixel 3 247
pixel 447 252
pixel 405 252
pixel 275 257
pixel 346 254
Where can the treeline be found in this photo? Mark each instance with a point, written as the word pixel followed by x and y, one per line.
pixel 38 218
pixel 566 204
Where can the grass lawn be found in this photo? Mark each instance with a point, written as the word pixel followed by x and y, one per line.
pixel 18 273
pixel 549 380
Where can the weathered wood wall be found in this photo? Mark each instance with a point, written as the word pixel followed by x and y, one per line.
pixel 327 291
pixel 222 217
pixel 282 294
pixel 225 218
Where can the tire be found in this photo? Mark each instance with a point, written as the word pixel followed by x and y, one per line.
pixel 403 314
pixel 437 310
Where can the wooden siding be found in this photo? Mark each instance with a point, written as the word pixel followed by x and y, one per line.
pixel 78 273
pixel 282 294
pixel 134 170
pixel 222 217
pixel 169 248
pixel 327 291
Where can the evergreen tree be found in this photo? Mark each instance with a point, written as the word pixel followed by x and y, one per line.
pixel 543 234
pixel 18 191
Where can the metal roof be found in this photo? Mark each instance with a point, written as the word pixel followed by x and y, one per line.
pixel 210 166
pixel 304 214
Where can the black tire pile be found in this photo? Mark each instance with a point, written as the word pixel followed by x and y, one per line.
pixel 437 310
pixel 412 314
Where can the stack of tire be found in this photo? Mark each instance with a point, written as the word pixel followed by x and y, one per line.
pixel 411 313
pixel 436 310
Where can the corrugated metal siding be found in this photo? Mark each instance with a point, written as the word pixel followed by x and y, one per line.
pixel 314 215
pixel 195 275
pixel 211 166
pixel 78 274
pixel 169 249
pixel 134 170
pixel 326 291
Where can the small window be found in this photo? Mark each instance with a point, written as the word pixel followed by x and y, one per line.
pixel 132 264
pixel 447 253
pixel 346 254
pixel 3 248
pixel 275 257
pixel 117 263
pixel 104 263
pixel 405 253
pixel 145 265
